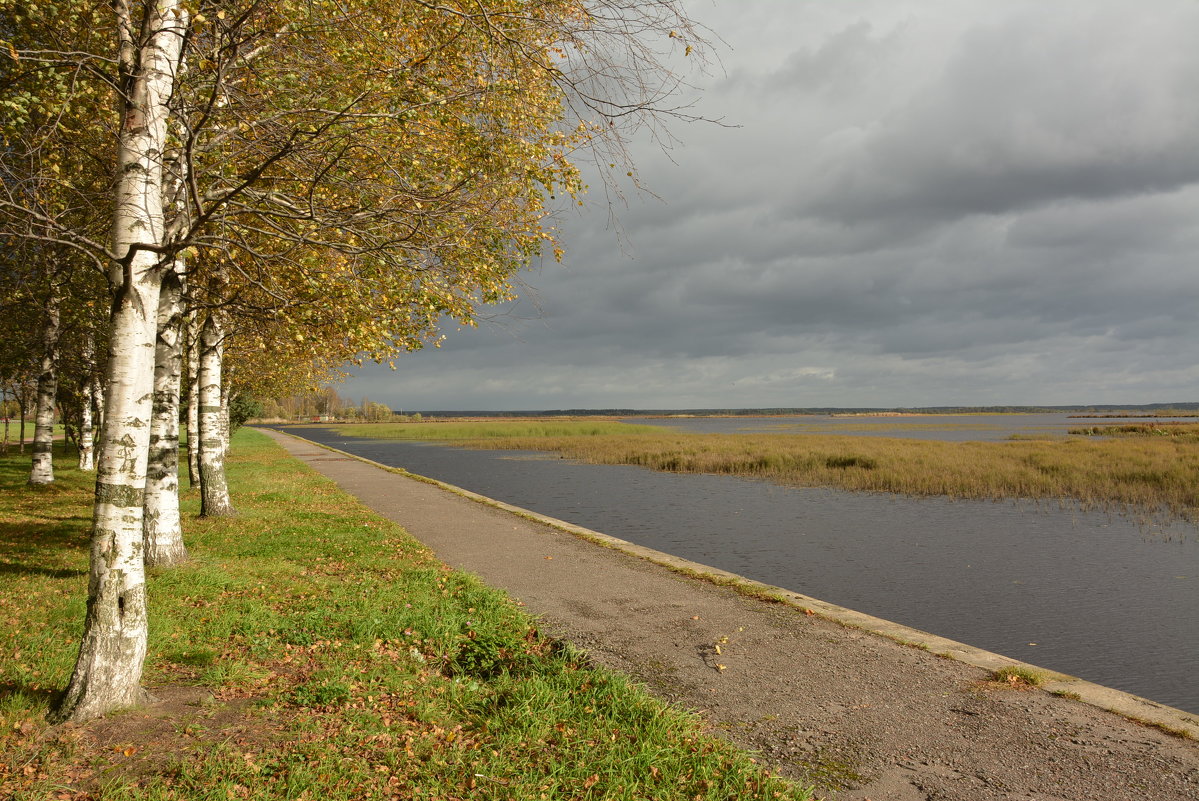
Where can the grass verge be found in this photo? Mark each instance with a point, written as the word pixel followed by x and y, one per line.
pixel 313 650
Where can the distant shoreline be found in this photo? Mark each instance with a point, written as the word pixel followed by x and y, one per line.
pixel 1079 410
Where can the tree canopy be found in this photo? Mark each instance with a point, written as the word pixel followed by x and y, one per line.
pixel 315 181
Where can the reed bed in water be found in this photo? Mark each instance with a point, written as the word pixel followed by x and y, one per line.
pixel 1149 474
pixel 1138 469
pixel 1188 430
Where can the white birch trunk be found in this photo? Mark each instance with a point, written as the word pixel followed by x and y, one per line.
pixel 193 402
pixel 87 433
pixel 87 441
pixel 47 390
pixel 108 671
pixel 214 490
pixel 97 387
pixel 226 431
pixel 162 525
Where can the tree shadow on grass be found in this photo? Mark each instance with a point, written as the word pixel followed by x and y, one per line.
pixel 49 572
pixel 28 696
pixel 46 548
pixel 15 466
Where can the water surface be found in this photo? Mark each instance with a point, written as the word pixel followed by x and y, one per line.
pixel 1087 594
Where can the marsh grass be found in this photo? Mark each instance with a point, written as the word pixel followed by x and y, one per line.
pixel 1149 475
pixel 341 661
pixel 1187 431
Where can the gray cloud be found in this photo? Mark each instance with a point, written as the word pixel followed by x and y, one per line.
pixel 926 202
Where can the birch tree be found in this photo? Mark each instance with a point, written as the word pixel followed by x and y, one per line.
pixel 161 521
pixel 107 674
pixel 42 471
pixel 191 364
pixel 88 413
pixel 214 488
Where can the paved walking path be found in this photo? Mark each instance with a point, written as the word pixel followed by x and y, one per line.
pixel 862 714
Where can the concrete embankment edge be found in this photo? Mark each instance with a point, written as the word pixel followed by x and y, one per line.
pixel 1130 706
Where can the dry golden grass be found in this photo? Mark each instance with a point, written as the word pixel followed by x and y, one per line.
pixel 1187 430
pixel 1150 474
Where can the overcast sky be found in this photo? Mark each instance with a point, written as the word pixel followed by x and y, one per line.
pixel 927 203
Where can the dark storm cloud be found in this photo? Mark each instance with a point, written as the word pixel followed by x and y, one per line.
pixel 924 202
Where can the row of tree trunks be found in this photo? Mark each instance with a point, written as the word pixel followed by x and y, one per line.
pixel 164 542
pixel 303 180
pixel 136 519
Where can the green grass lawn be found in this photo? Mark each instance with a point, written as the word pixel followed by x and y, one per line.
pixel 332 658
pixel 14 432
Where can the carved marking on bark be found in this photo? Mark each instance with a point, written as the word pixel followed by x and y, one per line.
pixel 120 495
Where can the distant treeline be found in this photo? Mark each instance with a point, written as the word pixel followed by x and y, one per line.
pixel 820 410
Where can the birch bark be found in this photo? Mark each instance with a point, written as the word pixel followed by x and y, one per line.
pixel 162 526
pixel 87 433
pixel 226 431
pixel 108 670
pixel 97 405
pixel 214 490
pixel 47 390
pixel 193 402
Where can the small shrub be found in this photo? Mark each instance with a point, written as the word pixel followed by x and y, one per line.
pixel 864 462
pixel 485 656
pixel 1017 675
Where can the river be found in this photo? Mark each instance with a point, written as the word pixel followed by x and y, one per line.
pixel 1085 593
